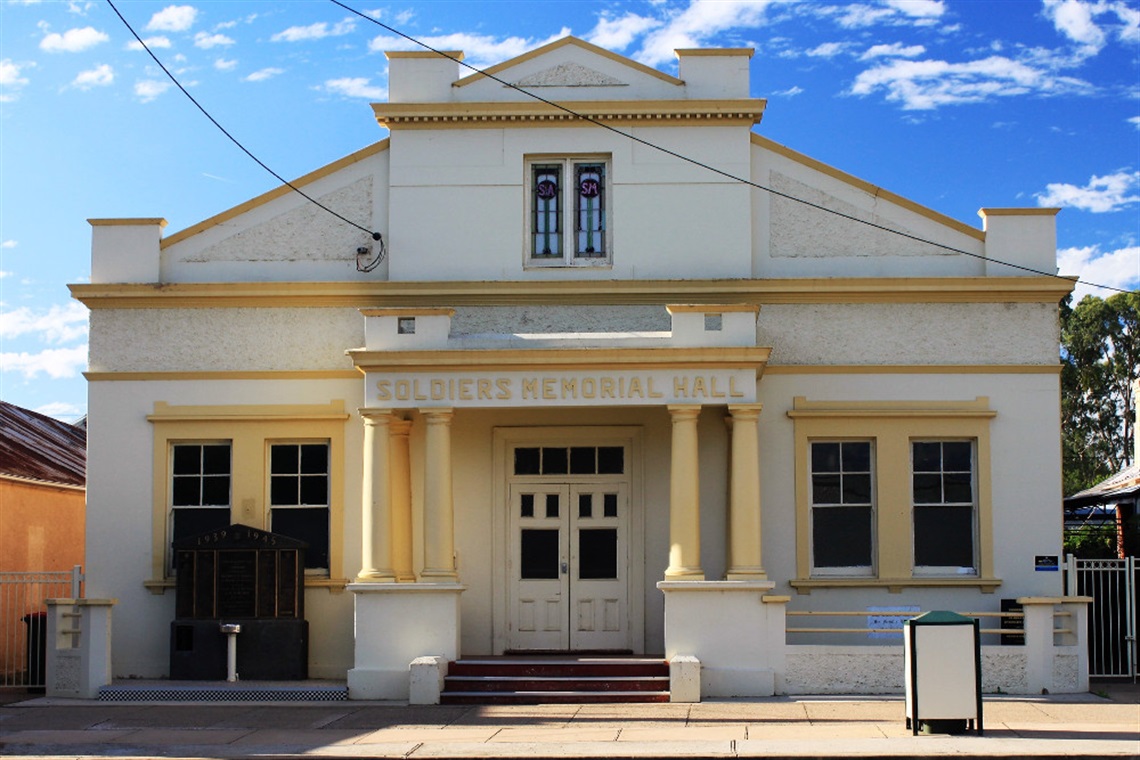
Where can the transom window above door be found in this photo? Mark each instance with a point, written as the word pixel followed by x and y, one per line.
pixel 568 212
pixel 569 460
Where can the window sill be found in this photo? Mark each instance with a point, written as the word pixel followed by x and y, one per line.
pixel 896 585
pixel 334 585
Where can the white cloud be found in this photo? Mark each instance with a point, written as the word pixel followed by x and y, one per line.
pixel 1111 192
pixel 12 79
pixel 925 85
pixel 154 43
pixel 315 31
pixel 894 50
pixel 1134 121
pixel 207 41
pixel 1117 269
pixel 100 76
pixel 892 12
pixel 61 410
pixel 480 51
pixel 149 89
pixel 788 93
pixel 356 87
pixel 263 74
pixel 173 18
pixel 223 65
pixel 73 40
pixel 619 33
pixel 4 274
pixel 701 20
pixel 919 8
pixel 56 363
pixel 826 50
pixel 58 324
pixel 1074 19
pixel 9 244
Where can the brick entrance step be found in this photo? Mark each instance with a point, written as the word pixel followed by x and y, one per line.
pixel 546 680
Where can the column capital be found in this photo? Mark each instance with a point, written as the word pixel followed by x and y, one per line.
pixel 684 411
pixel 376 416
pixel 437 415
pixel 400 426
pixel 745 411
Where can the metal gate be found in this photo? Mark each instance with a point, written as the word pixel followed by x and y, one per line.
pixel 23 622
pixel 1112 583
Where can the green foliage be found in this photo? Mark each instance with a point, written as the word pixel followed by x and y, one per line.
pixel 1091 541
pixel 1100 360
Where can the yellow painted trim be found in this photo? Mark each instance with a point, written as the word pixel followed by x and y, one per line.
pixel 707 308
pixel 249 428
pixel 867 187
pixel 42 483
pixel 408 312
pixel 274 194
pixel 741 357
pixel 1047 211
pixel 563 42
pixel 913 369
pixel 100 377
pixel 359 295
pixel 894 585
pixel 453 54
pixel 891 426
pixel 713 52
pixel 532 113
pixel 142 222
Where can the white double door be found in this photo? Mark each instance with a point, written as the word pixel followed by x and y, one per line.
pixel 569 567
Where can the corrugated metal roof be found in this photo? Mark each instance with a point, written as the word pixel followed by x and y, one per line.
pixel 1124 484
pixel 38 447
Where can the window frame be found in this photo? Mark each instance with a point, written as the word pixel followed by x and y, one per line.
pixel 846 571
pixel 972 505
pixel 173 509
pixel 270 500
pixel 893 425
pixel 568 211
pixel 248 428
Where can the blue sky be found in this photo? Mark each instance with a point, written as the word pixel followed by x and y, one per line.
pixel 955 105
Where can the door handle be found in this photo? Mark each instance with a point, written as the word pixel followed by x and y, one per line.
pixel 565 568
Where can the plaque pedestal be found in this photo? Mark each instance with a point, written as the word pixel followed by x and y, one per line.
pixel 395 624
pixel 733 629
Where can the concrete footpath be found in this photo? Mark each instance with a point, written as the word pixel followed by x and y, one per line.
pixel 1075 726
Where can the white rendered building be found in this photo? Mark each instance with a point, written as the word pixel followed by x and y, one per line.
pixel 593 398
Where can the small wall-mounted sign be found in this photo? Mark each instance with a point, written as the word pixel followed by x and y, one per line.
pixel 1044 563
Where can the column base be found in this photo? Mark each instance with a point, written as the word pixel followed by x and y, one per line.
pixel 746 574
pixel 684 574
pixel 396 623
pixel 743 654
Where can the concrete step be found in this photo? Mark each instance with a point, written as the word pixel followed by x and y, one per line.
pixel 537 680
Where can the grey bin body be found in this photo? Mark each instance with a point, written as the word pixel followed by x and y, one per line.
pixel 943 660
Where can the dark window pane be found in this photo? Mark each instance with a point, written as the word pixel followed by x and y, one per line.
pixel 554 461
pixel 539 550
pixel 927 488
pixel 186 492
pixel 841 536
pixel 526 505
pixel 959 488
pixel 187 460
pixel 315 459
pixel 824 489
pixel 583 460
pixel 283 459
pixel 310 525
pixel 215 490
pixel 314 489
pixel 825 457
pixel 856 489
pixel 216 459
pixel 927 457
pixel 552 505
pixel 597 554
pixel 585 505
pixel 526 462
pixel 283 490
pixel 611 460
pixel 610 505
pixel 944 536
pixel 856 456
pixel 957 456
pixel 192 522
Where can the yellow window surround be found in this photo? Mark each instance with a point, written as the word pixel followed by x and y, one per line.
pixel 892 426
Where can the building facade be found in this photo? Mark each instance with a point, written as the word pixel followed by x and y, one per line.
pixel 585 394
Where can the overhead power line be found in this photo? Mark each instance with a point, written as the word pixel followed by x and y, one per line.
pixel 374 235
pixel 701 164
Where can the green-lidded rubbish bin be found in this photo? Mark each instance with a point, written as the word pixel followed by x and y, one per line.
pixel 943 660
pixel 35 674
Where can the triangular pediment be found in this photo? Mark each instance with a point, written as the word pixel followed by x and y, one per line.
pixel 569 74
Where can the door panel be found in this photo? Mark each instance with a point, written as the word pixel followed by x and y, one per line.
pixel 539 552
pixel 599 561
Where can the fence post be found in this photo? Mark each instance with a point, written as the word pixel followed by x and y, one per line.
pixel 76 580
pixel 1070 575
pixel 79 647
